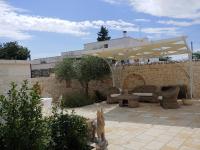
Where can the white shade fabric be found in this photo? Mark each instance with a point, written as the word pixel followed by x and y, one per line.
pixel 167 47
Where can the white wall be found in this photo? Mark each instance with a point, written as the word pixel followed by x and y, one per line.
pixel 50 62
pixel 116 43
pixel 13 70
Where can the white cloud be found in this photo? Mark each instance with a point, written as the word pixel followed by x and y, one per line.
pixel 171 31
pixel 15 25
pixel 114 1
pixel 180 23
pixel 142 20
pixel 165 8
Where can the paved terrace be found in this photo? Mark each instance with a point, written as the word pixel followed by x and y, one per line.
pixel 149 127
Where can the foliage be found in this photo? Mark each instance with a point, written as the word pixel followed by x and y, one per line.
pixel 76 99
pixel 12 50
pixel 196 55
pixel 65 69
pixel 103 34
pixel 91 68
pixel 84 70
pixel 99 96
pixel 69 132
pixel 165 58
pixel 22 126
pixel 37 88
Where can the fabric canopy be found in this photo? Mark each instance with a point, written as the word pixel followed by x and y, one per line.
pixel 153 49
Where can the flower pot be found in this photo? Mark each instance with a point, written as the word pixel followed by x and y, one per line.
pixel 187 102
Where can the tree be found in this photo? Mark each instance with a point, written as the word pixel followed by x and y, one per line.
pixel 22 126
pixel 196 55
pixel 12 50
pixel 84 70
pixel 103 34
pixel 65 70
pixel 91 68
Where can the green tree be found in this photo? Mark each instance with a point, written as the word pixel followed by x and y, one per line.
pixel 22 126
pixel 196 55
pixel 84 70
pixel 65 70
pixel 103 34
pixel 12 50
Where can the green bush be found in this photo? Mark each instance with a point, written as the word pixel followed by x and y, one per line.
pixel 69 132
pixel 21 124
pixel 76 99
pixel 99 96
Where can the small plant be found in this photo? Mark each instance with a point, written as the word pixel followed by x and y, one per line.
pixel 69 132
pixel 76 99
pixel 21 124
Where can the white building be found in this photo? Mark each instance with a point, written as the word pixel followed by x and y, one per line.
pixel 43 66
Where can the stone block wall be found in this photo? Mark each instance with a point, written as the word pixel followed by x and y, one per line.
pixel 162 75
pixel 132 76
pixel 52 87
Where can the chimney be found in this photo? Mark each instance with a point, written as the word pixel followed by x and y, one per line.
pixel 124 33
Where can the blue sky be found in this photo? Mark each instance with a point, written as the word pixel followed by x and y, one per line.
pixel 49 27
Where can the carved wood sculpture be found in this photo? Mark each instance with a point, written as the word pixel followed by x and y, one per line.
pixel 100 125
pixel 101 141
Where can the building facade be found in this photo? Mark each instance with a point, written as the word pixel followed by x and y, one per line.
pixel 43 67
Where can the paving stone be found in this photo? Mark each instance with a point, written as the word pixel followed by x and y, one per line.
pixel 155 145
pixel 149 127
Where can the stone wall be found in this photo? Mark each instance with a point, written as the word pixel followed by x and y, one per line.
pixel 162 75
pixel 132 76
pixel 52 87
pixel 154 74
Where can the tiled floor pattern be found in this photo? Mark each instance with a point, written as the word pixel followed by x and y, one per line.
pixel 149 127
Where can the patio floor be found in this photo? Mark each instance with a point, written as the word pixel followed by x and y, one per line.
pixel 149 127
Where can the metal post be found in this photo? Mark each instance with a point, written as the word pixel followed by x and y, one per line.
pixel 112 69
pixel 191 72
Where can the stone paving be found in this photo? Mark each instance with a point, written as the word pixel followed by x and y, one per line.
pixel 149 127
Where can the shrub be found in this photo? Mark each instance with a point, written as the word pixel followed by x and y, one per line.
pixel 76 99
pixel 98 96
pixel 22 126
pixel 69 132
pixel 37 88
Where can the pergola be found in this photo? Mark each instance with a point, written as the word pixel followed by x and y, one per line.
pixel 153 49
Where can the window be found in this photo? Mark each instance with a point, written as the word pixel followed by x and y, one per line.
pixel 105 46
pixel 43 62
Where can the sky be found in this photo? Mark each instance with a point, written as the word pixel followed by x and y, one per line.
pixel 49 27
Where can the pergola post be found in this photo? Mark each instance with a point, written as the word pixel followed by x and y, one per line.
pixel 191 74
pixel 112 69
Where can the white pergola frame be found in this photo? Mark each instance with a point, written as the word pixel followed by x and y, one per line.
pixel 154 49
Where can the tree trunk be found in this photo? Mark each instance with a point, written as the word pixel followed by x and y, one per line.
pixel 86 89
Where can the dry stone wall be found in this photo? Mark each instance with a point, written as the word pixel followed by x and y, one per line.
pixel 154 74
pixel 52 87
